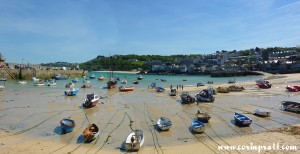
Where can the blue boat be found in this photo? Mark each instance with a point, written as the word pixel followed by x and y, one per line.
pixel 75 80
pixel 59 77
pixel 242 120
pixel 160 89
pixel 197 126
pixel 67 125
pixel 93 76
pixel 71 92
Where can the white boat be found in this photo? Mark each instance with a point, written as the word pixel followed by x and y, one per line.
pixel 164 123
pixel 197 126
pixel 123 81
pixel 39 84
pixel 134 140
pixel 51 83
pixel 2 87
pixel 34 79
pixel 21 82
pixel 261 112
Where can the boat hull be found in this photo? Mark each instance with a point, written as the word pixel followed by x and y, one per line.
pixel 262 113
pixel 134 140
pixel 90 133
pixel 242 120
pixel 71 92
pixel 67 125
pixel 197 126
pixel 164 124
pixel 291 106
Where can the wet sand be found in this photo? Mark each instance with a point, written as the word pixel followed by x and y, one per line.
pixel 29 121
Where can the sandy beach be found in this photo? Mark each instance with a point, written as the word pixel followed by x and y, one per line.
pixel 29 121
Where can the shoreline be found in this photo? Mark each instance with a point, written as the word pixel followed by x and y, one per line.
pixel 29 121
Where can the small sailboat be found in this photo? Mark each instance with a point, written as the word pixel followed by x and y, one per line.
pixel 67 125
pixel 134 140
pixel 164 123
pixel 90 133
pixel 197 126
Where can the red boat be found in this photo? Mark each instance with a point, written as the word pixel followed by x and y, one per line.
pixel 91 100
pixel 292 88
pixel 264 85
pixel 86 86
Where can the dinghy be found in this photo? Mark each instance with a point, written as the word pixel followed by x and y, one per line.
pixel 164 123
pixel 203 117
pixel 90 133
pixel 242 120
pixel 67 125
pixel 197 126
pixel 291 106
pixel 261 112
pixel 134 140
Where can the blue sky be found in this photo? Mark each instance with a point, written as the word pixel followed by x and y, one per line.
pixel 41 31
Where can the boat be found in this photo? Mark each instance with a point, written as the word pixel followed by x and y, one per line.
pixel 67 125
pixel 39 84
pixel 160 89
pixel 2 87
pixel 93 76
pixel 59 77
pixel 86 81
pixel 231 81
pixel 134 140
pixel 197 126
pixel 223 90
pixel 292 88
pixel 153 85
pixel 200 84
pixel 184 79
pixel 112 82
pixel 212 90
pixel 135 82
pixel 210 82
pixel 164 123
pixel 86 86
pixel 241 119
pixel 205 96
pixel 75 80
pixel 51 83
pixel 34 79
pixel 3 79
pixel 263 84
pixel 203 117
pixel 123 81
pixel 291 106
pixel 173 92
pixel 236 88
pixel 101 78
pixel 163 80
pixel 140 77
pixel 91 100
pixel 90 133
pixel 186 98
pixel 21 82
pixel 71 92
pixel 123 89
pixel 261 112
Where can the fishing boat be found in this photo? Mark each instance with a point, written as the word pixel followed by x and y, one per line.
pixel 91 100
pixel 160 89
pixel 124 81
pixel 112 82
pixel 164 123
pixel 236 88
pixel 86 86
pixel 291 106
pixel 186 98
pixel 140 77
pixel 124 89
pixel 197 126
pixel 67 125
pixel 134 140
pixel 200 84
pixel 261 112
pixel 173 92
pixel 205 96
pixel 223 90
pixel 71 92
pixel 241 119
pixel 135 82
pixel 203 117
pixel 90 133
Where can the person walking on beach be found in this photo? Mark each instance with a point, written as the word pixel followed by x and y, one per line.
pixel 171 87
pixel 182 87
pixel 177 88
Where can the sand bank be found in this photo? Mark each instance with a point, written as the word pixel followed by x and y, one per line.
pixel 29 120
